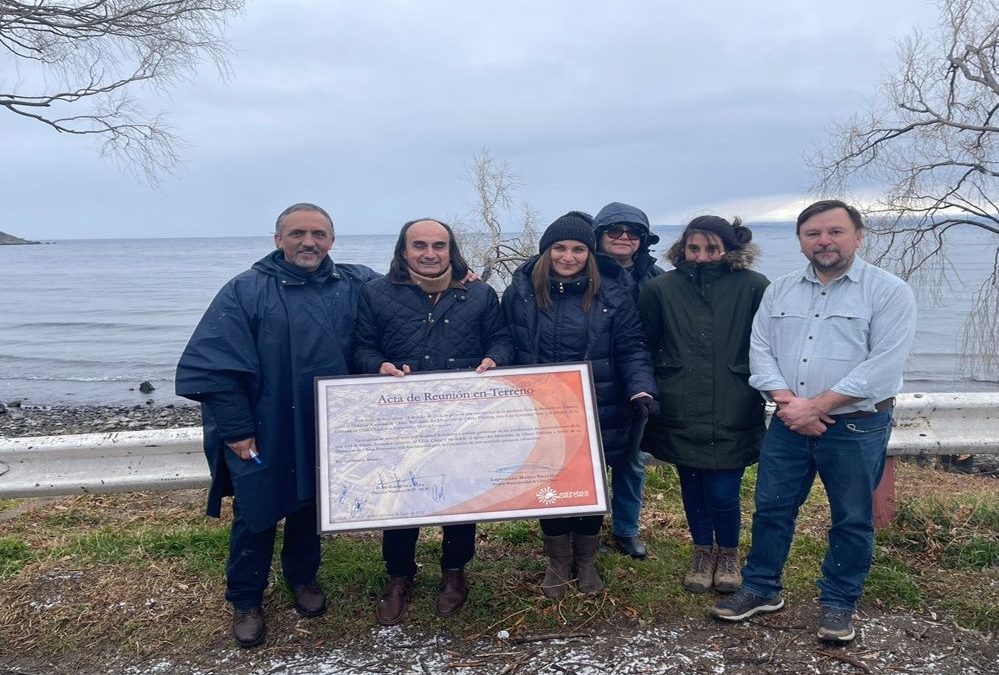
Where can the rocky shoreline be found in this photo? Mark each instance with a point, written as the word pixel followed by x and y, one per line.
pixel 23 420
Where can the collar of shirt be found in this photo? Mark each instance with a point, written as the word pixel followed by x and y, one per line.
pixel 855 273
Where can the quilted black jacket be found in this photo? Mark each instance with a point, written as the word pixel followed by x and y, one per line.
pixel 614 343
pixel 397 322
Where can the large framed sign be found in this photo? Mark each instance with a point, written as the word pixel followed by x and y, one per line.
pixel 457 447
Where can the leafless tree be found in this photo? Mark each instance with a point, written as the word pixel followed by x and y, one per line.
pixel 930 146
pixel 501 234
pixel 77 62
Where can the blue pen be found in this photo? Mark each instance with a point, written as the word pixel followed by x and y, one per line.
pixel 254 456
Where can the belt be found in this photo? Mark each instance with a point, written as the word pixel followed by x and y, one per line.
pixel 880 406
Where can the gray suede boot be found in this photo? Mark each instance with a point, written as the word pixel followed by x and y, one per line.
pixel 559 572
pixel 584 559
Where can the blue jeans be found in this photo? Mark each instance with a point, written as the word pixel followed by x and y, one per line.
pixel 250 556
pixel 849 458
pixel 627 483
pixel 711 502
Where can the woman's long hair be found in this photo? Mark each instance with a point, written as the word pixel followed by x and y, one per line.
pixel 541 279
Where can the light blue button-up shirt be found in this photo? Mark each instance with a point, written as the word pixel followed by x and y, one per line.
pixel 851 335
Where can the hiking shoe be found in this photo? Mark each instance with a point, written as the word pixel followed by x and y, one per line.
pixel 727 577
pixel 631 546
pixel 702 568
pixel 836 625
pixel 248 626
pixel 743 604
pixel 310 601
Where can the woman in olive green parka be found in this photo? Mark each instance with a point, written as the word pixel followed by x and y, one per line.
pixel 698 319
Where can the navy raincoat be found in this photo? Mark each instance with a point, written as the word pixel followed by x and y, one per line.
pixel 266 335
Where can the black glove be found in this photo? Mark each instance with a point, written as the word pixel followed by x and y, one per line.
pixel 645 406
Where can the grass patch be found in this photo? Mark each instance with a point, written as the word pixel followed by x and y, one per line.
pixel 199 549
pixel 975 553
pixel 515 532
pixel 13 555
pixel 145 572
pixel 892 583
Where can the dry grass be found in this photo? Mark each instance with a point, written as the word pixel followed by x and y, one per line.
pixel 141 575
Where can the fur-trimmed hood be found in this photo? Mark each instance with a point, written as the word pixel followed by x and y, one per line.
pixel 737 259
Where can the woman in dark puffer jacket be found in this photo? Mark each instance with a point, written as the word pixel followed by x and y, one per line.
pixel 570 303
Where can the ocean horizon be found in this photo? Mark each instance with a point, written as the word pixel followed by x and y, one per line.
pixel 84 321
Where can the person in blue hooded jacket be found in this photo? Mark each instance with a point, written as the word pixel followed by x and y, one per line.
pixel 570 303
pixel 250 363
pixel 623 233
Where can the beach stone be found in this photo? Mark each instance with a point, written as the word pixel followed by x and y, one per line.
pixel 146 387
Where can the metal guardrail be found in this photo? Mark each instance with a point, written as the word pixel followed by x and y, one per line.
pixel 946 424
pixel 123 461
pixel 172 459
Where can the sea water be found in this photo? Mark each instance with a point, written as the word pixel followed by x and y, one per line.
pixel 85 321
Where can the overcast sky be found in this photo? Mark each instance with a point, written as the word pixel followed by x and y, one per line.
pixel 374 109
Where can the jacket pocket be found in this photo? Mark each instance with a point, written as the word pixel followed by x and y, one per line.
pixel 740 406
pixel 671 393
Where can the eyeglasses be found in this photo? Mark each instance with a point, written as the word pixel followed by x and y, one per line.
pixel 618 232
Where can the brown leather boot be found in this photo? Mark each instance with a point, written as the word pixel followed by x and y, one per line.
pixel 248 626
pixel 584 559
pixel 702 569
pixel 391 607
pixel 310 601
pixel 559 572
pixel 452 593
pixel 727 576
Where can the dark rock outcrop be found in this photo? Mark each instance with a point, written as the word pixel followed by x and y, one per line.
pixel 11 239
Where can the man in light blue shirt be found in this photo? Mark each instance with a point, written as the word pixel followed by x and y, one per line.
pixel 828 347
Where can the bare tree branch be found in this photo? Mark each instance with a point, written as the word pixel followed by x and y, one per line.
pixel 94 51
pixel 500 238
pixel 930 145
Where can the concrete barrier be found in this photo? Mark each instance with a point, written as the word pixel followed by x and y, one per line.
pixel 172 459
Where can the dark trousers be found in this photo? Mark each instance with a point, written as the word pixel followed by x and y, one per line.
pixel 711 503
pixel 250 556
pixel 585 525
pixel 399 549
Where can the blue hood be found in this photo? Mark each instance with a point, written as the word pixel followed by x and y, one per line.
pixel 619 212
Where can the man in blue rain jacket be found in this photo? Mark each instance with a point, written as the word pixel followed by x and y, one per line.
pixel 251 363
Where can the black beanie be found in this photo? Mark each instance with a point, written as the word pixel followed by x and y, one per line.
pixel 574 225
pixel 733 235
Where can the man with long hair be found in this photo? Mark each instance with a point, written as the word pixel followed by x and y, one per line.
pixel 425 315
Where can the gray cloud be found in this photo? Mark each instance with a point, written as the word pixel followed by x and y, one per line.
pixel 373 109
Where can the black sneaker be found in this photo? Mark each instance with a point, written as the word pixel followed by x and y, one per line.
pixel 631 546
pixel 743 604
pixel 836 625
